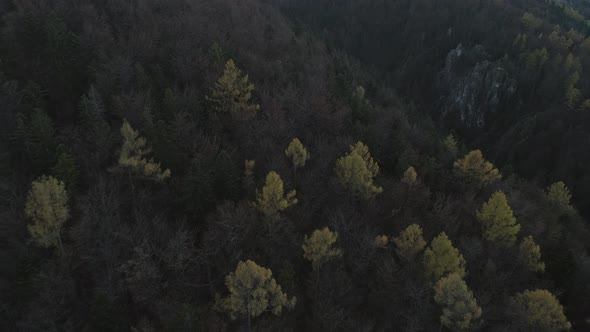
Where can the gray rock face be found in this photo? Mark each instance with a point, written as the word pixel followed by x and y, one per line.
pixel 471 86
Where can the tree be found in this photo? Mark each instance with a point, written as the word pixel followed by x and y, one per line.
pixel 410 242
pixel 540 311
pixel 381 241
pixel 253 291
pixel 497 220
pixel 357 170
pixel 47 207
pixel 559 194
pixel 450 144
pixel 232 93
pixel 133 152
pixel 459 308
pixel 475 170
pixel 409 176
pixel 441 259
pixel 272 199
pixel 297 153
pixel 529 255
pixel 318 248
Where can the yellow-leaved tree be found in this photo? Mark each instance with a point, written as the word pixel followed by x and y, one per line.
pixel 319 247
pixel 460 311
pixel 273 198
pixel 497 220
pixel 410 176
pixel 47 207
pixel 232 93
pixel 539 310
pixel 529 255
pixel 410 242
pixel 298 154
pixel 357 170
pixel 559 194
pixel 133 156
pixel 253 291
pixel 475 170
pixel 442 259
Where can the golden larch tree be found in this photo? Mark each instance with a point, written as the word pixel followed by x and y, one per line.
pixel 319 247
pixel 273 198
pixel 497 220
pixel 459 308
pixel 47 207
pixel 357 170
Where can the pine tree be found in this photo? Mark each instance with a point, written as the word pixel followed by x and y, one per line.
pixel 253 291
pixel 450 144
pixel 475 170
pixel 297 153
pixel 133 155
pixel 232 93
pixel 409 176
pixel 319 247
pixel 540 311
pixel 497 220
pixel 357 170
pixel 559 194
pixel 529 255
pixel 459 308
pixel 381 241
pixel 410 242
pixel 272 199
pixel 441 259
pixel 47 207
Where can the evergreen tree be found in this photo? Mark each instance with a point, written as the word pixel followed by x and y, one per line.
pixel 133 155
pixel 232 93
pixel 253 291
pixel 529 255
pixel 559 194
pixel 47 207
pixel 273 199
pixel 442 259
pixel 319 247
pixel 539 311
pixel 297 153
pixel 357 170
pixel 381 241
pixel 460 311
pixel 475 170
pixel 409 176
pixel 410 242
pixel 498 223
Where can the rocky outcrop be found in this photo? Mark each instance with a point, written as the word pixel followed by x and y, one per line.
pixel 471 86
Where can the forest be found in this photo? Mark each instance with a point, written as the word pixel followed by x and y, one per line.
pixel 294 165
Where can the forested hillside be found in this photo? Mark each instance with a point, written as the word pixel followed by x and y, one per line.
pixel 282 165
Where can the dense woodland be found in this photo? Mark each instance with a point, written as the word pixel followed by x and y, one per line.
pixel 294 165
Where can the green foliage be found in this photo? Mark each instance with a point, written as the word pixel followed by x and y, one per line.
pixel 319 247
pixel 35 136
pixel 450 144
pixel 474 169
pixel 529 255
pixel 66 170
pixel 47 207
pixel 253 291
pixel 357 170
pixel 559 194
pixel 273 199
pixel 410 242
pixel 133 156
pixel 232 93
pixel 497 220
pixel 540 311
pixel 530 21
pixel 297 153
pixel 460 311
pixel 442 259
